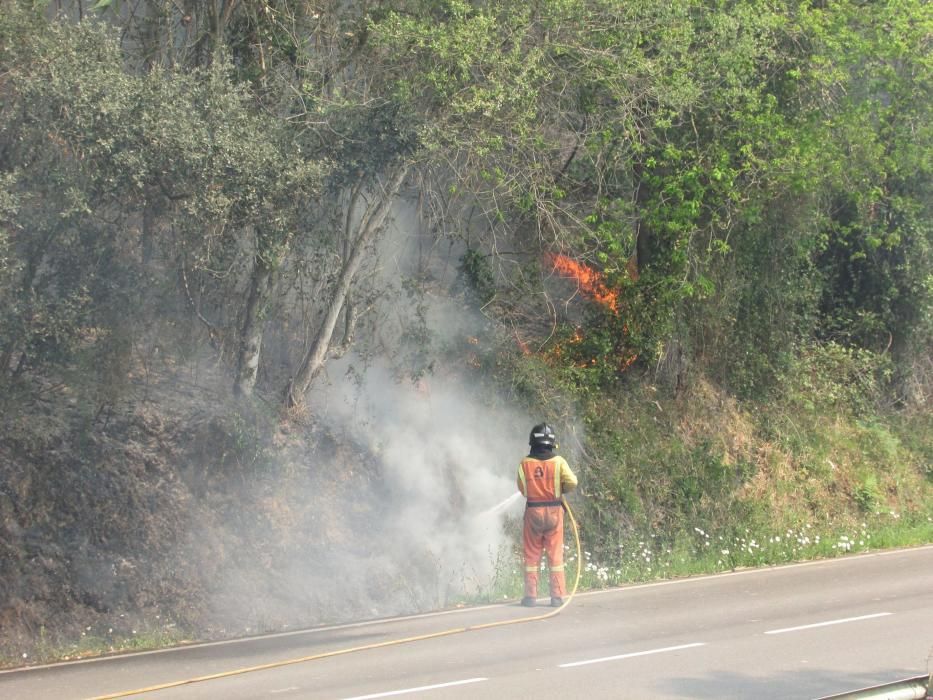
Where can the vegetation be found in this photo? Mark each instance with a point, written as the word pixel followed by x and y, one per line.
pixel 698 232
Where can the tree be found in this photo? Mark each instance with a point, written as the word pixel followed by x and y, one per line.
pixel 876 258
pixel 106 148
pixel 675 149
pixel 606 132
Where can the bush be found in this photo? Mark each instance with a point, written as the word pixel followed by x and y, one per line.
pixel 832 377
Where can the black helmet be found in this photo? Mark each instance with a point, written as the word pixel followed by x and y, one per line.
pixel 542 435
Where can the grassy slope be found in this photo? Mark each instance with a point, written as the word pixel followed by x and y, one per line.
pixel 704 483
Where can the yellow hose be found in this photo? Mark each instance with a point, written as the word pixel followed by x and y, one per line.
pixel 377 645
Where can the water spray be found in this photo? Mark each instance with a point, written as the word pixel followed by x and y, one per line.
pixel 504 505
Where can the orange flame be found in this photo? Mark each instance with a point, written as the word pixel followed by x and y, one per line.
pixel 588 279
pixel 593 284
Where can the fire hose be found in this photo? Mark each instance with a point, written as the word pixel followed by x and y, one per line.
pixel 377 645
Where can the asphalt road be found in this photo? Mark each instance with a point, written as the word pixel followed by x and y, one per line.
pixel 800 631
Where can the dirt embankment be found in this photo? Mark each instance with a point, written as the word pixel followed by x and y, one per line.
pixel 168 516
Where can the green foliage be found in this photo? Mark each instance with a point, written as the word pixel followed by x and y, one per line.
pixel 101 149
pixel 866 494
pixel 654 482
pixel 247 439
pixel 831 377
pixel 764 170
pixel 749 331
pixel 914 431
pixel 749 182
pixel 702 144
pixel 660 501
pixel 475 269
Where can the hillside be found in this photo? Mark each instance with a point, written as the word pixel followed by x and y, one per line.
pixel 178 514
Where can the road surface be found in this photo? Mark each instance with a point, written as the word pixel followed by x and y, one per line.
pixel 799 631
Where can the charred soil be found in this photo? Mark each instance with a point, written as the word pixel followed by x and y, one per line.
pixel 176 513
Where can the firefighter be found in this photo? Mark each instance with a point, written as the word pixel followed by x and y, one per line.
pixel 542 477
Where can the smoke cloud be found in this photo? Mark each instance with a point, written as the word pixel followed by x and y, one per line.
pixel 444 447
pixel 424 453
pixel 443 460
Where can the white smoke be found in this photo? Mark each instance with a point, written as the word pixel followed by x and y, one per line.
pixel 447 445
pixel 403 498
pixel 445 460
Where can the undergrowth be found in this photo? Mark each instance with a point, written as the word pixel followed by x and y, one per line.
pixel 701 482
pixel 700 552
pixel 98 640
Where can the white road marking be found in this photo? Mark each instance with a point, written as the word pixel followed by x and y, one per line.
pixel 628 656
pixel 419 689
pixel 828 622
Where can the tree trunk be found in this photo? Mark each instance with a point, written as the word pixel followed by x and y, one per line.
pixel 33 263
pixel 148 234
pixel 316 355
pixel 248 356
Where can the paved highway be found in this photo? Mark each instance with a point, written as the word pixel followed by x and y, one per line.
pixel 799 631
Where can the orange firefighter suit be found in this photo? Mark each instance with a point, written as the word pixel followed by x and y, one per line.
pixel 542 479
